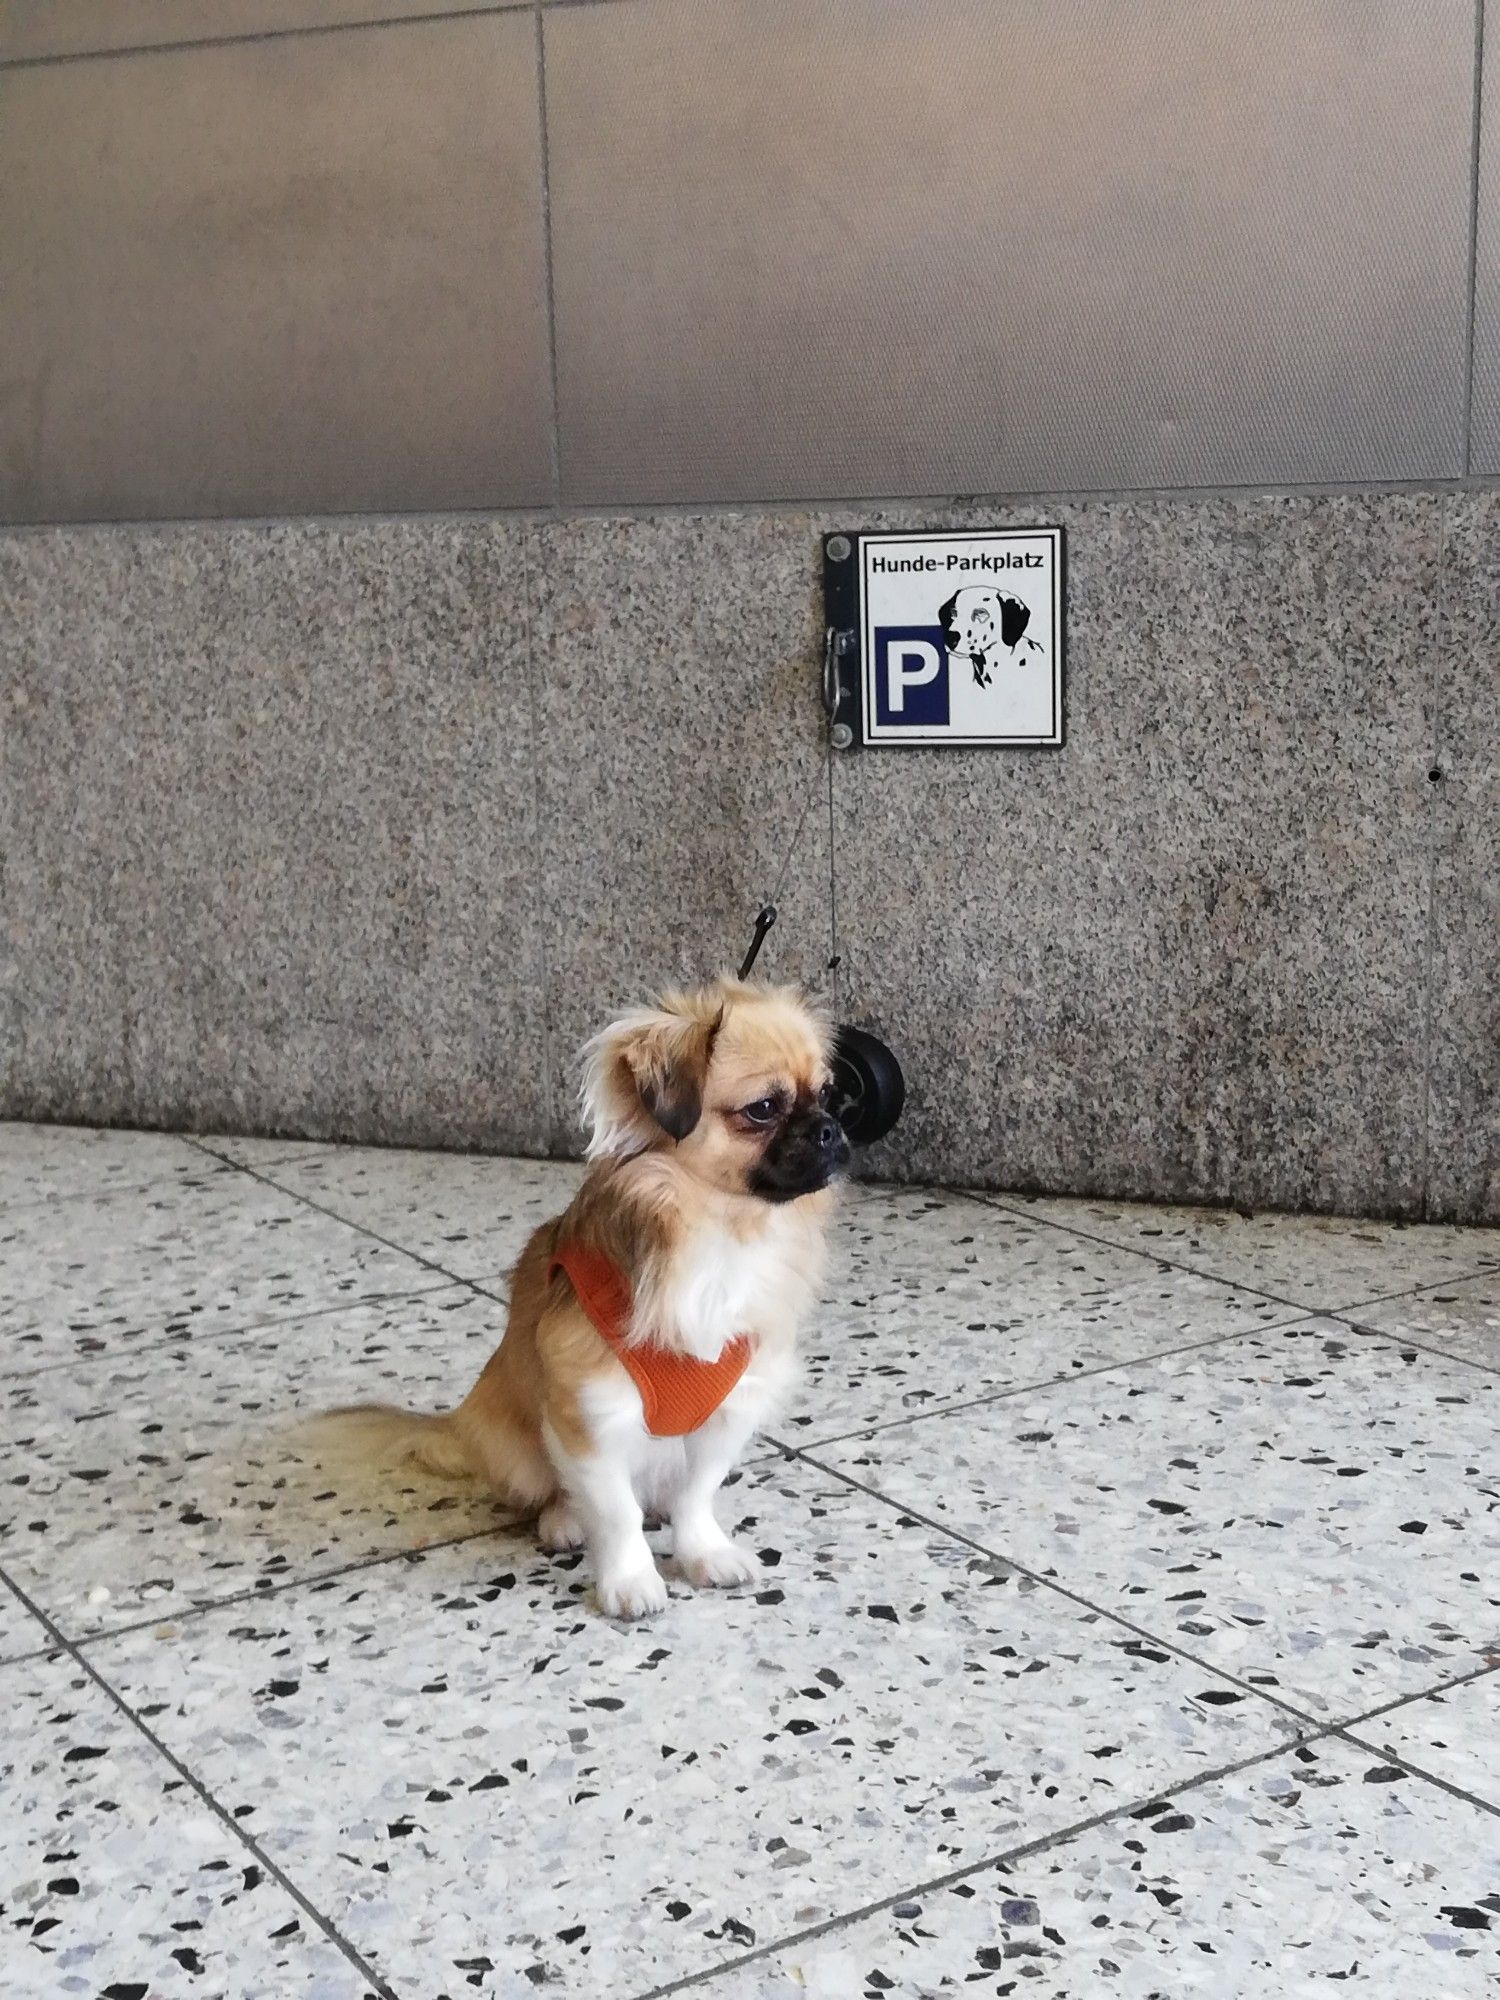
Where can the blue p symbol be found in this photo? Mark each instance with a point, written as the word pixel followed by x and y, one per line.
pixel 911 675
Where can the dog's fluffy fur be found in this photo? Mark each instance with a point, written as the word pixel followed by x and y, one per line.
pixel 711 1158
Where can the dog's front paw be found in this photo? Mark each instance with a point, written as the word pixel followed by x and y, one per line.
pixel 633 1593
pixel 716 1565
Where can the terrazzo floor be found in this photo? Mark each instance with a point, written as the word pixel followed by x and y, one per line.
pixel 1128 1618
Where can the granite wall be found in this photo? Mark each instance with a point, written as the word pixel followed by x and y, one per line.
pixel 355 829
pixel 355 825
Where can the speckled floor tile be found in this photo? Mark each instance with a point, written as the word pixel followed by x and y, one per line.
pixel 54 1162
pixel 84 1276
pixel 1322 1262
pixel 935 1298
pixel 262 1153
pixel 1454 1734
pixel 19 1631
pixel 1462 1319
pixel 1320 1868
pixel 466 1212
pixel 118 1881
pixel 155 1480
pixel 461 1763
pixel 1311 1506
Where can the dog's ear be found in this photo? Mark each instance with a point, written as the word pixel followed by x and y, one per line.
pixel 669 1062
pixel 1014 618
pixel 945 616
pixel 645 1074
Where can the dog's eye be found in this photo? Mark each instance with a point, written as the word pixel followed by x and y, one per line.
pixel 764 1111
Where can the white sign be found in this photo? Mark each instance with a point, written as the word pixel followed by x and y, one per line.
pixel 961 637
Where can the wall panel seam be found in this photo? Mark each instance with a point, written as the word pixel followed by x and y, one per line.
pixel 554 434
pixel 189 43
pixel 1476 144
pixel 649 510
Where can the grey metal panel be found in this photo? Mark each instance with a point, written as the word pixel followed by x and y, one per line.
pixel 846 246
pixel 33 28
pixel 303 274
pixel 1484 433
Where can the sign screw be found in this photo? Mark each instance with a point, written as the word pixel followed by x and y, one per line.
pixel 841 736
pixel 838 548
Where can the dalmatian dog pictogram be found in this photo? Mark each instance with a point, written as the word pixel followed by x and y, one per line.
pixel 988 629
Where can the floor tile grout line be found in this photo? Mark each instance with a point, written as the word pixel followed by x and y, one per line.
pixel 28 1652
pixel 364 1229
pixel 307 1149
pixel 1009 1857
pixel 25 1203
pixel 1005 1858
pixel 1047 1382
pixel 182 1614
pixel 1313 1731
pixel 1297 1314
pixel 207 1798
pixel 1045 1387
pixel 1059 1589
pixel 1405 1763
pixel 1002 1204
pixel 1004 1207
pixel 1429 1287
pixel 379 1559
pixel 45 1651
pixel 486 1285
pixel 1400 1701
pixel 1316 1730
pixel 204 1335
pixel 107 1190
pixel 1421 1346
pixel 1356 1721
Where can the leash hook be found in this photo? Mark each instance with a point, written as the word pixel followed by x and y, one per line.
pixel 763 923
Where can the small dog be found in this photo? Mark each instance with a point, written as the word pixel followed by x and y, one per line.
pixel 987 628
pixel 652 1325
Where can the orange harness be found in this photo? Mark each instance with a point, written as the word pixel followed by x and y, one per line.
pixel 677 1392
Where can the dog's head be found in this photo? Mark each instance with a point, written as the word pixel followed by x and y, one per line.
pixel 978 621
pixel 734 1077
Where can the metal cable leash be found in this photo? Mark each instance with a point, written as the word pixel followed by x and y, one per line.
pixel 834 646
pixel 869 1089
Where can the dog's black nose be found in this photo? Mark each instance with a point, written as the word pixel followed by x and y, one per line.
pixel 828 1134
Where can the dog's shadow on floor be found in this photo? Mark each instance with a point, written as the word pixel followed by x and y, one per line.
pixel 279 1505
pixel 276 1503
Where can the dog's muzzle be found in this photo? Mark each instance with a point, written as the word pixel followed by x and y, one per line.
pixel 805 1155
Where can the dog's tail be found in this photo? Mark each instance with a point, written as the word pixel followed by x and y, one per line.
pixel 380 1437
pixel 493 1449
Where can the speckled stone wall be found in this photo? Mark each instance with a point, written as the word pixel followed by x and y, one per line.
pixel 357 829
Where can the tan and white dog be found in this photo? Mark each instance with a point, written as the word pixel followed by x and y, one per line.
pixel 652 1326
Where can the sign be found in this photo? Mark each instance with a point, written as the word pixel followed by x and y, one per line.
pixel 948 638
